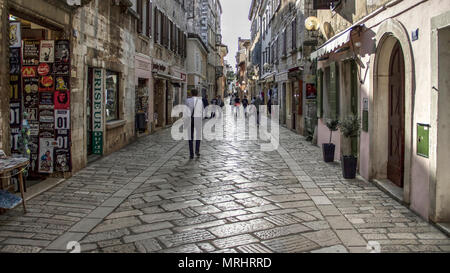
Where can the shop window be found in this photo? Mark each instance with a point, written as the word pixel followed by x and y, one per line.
pixel 112 96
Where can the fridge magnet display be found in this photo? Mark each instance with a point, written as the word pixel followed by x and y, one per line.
pixel 14 83
pixel 45 98
pixel 15 114
pixel 62 119
pixel 34 129
pixel 62 160
pixel 46 116
pixel 15 134
pixel 44 69
pixel 15 36
pixel 32 114
pixel 46 83
pixel 311 91
pixel 47 52
pixel 61 69
pixel 29 72
pixel 14 56
pixel 62 100
pixel 62 51
pixel 47 130
pixel 62 83
pixel 30 52
pixel 46 149
pixel 33 145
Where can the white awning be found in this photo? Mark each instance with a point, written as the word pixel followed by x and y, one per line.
pixel 333 44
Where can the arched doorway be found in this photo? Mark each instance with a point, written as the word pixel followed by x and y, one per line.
pixel 396 157
pixel 391 109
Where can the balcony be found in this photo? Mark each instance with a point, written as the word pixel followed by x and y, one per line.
pixel 218 39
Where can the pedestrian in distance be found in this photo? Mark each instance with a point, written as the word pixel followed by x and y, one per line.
pixel 195 104
pixel 245 104
pixel 205 103
pixel 214 101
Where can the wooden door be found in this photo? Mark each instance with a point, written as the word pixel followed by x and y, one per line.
pixel 396 117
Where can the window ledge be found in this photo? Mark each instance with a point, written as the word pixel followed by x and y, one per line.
pixel 144 38
pixel 115 124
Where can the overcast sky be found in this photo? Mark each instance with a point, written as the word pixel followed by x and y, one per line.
pixel 235 24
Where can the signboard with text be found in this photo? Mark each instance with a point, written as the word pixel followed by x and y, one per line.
pixel 97 112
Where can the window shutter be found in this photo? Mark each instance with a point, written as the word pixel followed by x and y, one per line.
pixel 333 96
pixel 162 27
pixel 319 94
pixel 149 18
pixel 354 88
pixel 285 42
pixel 141 15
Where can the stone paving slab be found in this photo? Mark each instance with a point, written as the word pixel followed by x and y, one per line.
pixel 149 197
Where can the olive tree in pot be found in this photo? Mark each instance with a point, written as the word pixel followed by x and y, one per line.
pixel 329 148
pixel 350 128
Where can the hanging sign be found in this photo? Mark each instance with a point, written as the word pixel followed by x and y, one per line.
pixel 47 52
pixel 98 112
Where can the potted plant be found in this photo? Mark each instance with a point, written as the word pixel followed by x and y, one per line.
pixel 329 148
pixel 350 128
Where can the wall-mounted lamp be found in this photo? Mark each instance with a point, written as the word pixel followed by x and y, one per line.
pixel 358 44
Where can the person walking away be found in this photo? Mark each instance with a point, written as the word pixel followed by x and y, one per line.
pixel 195 104
pixel 205 103
pixel 214 101
pixel 237 104
pixel 245 104
pixel 258 103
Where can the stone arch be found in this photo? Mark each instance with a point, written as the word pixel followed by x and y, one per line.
pixel 389 33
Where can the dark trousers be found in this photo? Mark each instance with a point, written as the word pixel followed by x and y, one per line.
pixel 191 141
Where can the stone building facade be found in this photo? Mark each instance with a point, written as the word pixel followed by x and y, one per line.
pixel 386 62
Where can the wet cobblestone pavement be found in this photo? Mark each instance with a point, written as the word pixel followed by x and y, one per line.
pixel 149 197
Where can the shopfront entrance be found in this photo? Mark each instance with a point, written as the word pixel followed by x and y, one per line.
pixel 40 97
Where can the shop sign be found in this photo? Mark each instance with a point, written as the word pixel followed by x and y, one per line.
pixel 46 116
pixel 282 77
pixel 47 52
pixel 98 112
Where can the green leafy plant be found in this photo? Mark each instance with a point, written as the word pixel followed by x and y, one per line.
pixel 351 126
pixel 333 126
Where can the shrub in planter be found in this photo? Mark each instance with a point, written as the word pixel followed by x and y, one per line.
pixel 329 148
pixel 350 128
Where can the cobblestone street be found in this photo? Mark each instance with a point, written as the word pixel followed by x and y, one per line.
pixel 149 197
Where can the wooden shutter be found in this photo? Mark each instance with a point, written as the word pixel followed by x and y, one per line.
pixel 333 91
pixel 285 42
pixel 149 18
pixel 141 16
pixel 162 27
pixel 319 93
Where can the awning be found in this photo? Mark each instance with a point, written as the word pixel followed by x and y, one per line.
pixel 333 43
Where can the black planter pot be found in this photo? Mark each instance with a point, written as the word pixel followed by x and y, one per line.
pixel 328 152
pixel 349 165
